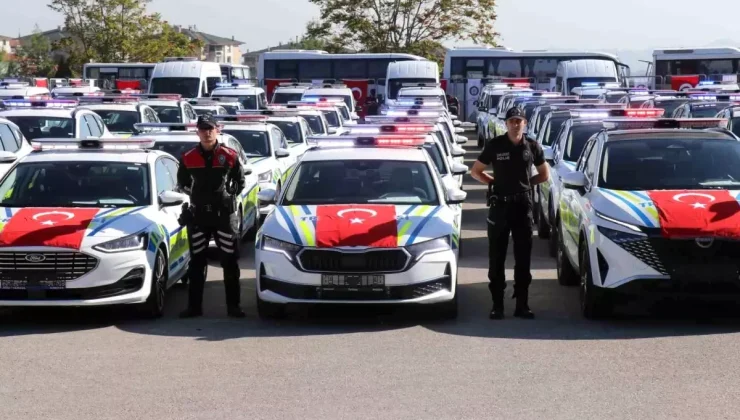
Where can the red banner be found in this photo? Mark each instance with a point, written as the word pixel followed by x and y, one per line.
pixel 684 82
pixel 697 213
pixel 57 227
pixel 41 82
pixel 366 225
pixel 359 91
pixel 443 84
pixel 271 84
pixel 128 84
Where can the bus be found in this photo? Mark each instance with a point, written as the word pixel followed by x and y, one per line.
pixel 685 68
pixel 364 73
pixel 137 75
pixel 465 70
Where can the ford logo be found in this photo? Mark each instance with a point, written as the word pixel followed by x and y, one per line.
pixel 35 258
pixel 704 242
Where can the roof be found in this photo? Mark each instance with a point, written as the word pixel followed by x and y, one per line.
pixel 673 133
pixel 52 35
pixel 89 155
pixel 246 127
pixel 208 39
pixel 237 91
pixel 131 106
pixel 328 92
pixel 41 112
pixel 183 136
pixel 5 38
pixel 368 153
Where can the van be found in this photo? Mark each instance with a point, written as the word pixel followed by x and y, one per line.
pixel 187 77
pixel 402 73
pixel 572 74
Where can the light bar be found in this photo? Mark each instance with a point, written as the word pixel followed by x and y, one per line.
pixel 387 119
pixel 241 117
pixel 390 129
pixel 168 96
pixel 412 113
pixel 273 112
pixel 329 99
pixel 234 84
pixel 656 123
pixel 102 143
pixel 637 112
pixel 410 100
pixel 600 84
pixel 108 99
pixel 581 105
pixel 313 104
pixel 374 141
pixel 170 126
pixel 50 103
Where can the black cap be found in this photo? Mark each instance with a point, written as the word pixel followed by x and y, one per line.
pixel 515 112
pixel 206 121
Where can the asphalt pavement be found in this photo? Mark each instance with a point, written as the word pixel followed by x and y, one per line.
pixel 375 363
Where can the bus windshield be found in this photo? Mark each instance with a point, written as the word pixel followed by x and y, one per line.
pixel 187 87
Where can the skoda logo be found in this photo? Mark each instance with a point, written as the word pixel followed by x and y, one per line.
pixel 35 258
pixel 704 242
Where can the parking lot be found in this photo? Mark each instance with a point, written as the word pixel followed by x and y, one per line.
pixel 374 362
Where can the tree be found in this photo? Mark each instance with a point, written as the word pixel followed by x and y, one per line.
pixel 34 56
pixel 118 31
pixel 412 26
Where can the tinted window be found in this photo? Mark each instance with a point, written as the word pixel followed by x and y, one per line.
pixel 185 86
pixel 736 126
pixel 286 69
pixel 671 163
pixel 284 98
pixel 175 148
pixel 349 69
pixel 332 118
pixel 291 130
pixel 119 121
pixel 314 121
pixel 707 110
pixel 168 114
pixel 247 101
pixel 437 158
pixel 360 182
pixel 505 67
pixel 212 82
pixel 541 69
pixel 378 69
pixel 7 139
pixel 397 84
pixel 35 127
pixel 553 129
pixel 314 69
pixel 668 106
pixel 577 139
pixel 254 143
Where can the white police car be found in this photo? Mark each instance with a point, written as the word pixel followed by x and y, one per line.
pixel 250 97
pixel 170 108
pixel 361 220
pixel 91 222
pixel 57 118
pixel 16 89
pixel 120 113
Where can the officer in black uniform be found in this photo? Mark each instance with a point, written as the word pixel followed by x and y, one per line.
pixel 212 175
pixel 512 155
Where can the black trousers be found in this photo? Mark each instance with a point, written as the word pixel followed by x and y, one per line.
pixel 512 214
pixel 224 229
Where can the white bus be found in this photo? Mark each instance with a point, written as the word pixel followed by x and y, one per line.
pixel 465 69
pixel 684 68
pixel 363 73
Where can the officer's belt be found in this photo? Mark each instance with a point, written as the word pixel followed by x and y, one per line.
pixel 512 197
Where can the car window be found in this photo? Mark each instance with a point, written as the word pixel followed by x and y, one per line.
pixel 7 139
pixel 18 136
pixel 150 115
pixel 584 156
pixel 93 126
pixel 99 121
pixel 591 162
pixel 84 128
pixel 171 166
pixel 164 179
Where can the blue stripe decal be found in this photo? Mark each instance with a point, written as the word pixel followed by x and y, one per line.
pixel 634 208
pixel 176 231
pixel 8 212
pixel 641 195
pixel 413 236
pixel 113 219
pixel 291 228
pixel 306 210
pixel 410 209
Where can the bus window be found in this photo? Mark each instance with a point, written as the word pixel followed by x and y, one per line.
pixel 505 67
pixel 474 68
pixel 350 69
pixel 237 73
pixel 314 69
pixel 377 69
pixel 286 69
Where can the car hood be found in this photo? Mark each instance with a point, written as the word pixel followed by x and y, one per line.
pixel 69 227
pixel 359 225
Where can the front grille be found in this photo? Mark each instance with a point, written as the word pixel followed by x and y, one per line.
pixel 45 266
pixel 330 261
pixel 643 250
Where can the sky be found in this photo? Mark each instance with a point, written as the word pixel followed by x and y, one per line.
pixel 523 24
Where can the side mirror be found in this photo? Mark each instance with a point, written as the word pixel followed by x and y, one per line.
pixel 353 116
pixel 459 169
pixel 267 196
pixel 453 118
pixel 248 170
pixel 492 111
pixel 574 180
pixel 281 153
pixel 455 196
pixel 457 151
pixel 458 130
pixel 461 140
pixel 172 198
pixel 456 123
pixel 332 130
pixel 8 157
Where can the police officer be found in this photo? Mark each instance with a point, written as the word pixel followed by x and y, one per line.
pixel 212 175
pixel 511 155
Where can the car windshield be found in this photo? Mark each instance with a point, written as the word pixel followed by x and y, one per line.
pixel 231 109
pixel 707 110
pixel 436 155
pixel 671 163
pixel 187 87
pixel 119 121
pixel 636 103
pixel 314 122
pixel 668 106
pixel 553 129
pixel 203 111
pixel 38 127
pixel 361 182
pixel 396 85
pixel 284 98
pixel 175 148
pixel 332 118
pixel 76 184
pixel 577 139
pixel 291 130
pixel 168 114
pixel 540 120
pixel 247 101
pixel 254 143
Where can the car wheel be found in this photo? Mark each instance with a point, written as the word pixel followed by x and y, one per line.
pixel 269 310
pixel 154 305
pixel 594 303
pixel 567 275
pixel 543 228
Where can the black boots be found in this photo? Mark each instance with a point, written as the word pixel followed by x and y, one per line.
pixel 522 305
pixel 498 308
pixel 191 313
pixel 235 312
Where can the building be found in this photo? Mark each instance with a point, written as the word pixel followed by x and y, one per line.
pixel 5 44
pixel 215 48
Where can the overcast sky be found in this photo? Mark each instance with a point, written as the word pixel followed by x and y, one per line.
pixel 523 24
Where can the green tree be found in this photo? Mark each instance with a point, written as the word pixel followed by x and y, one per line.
pixel 413 26
pixel 118 31
pixel 34 56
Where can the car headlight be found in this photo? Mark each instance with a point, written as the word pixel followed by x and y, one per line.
pixel 428 247
pixel 265 176
pixel 618 222
pixel 133 242
pixel 275 245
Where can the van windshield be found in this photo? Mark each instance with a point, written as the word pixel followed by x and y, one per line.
pixel 396 84
pixel 187 87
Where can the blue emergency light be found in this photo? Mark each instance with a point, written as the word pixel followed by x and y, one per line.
pixel 35 103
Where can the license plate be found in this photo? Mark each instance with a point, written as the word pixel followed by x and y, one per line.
pixel 33 285
pixel 706 273
pixel 353 281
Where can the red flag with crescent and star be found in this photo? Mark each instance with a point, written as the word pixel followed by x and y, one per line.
pixel 56 227
pixel 697 213
pixel 359 91
pixel 362 225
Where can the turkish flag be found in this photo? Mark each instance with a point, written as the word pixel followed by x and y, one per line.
pixel 271 84
pixel 41 82
pixel 359 91
pixel 697 213
pixel 684 82
pixel 360 225
pixel 123 84
pixel 57 227
pixel 443 84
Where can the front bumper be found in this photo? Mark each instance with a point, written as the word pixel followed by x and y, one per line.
pixel 122 278
pixel 430 280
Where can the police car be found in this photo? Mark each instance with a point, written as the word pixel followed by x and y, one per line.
pixel 497 122
pixel 57 118
pixel 170 108
pixel 13 145
pixel 314 117
pixel 176 139
pixel 360 226
pixel 667 103
pixel 250 97
pixel 703 106
pixel 16 89
pixel 294 127
pixel 217 106
pixel 487 104
pixel 288 92
pixel 333 92
pixel 652 208
pixel 716 87
pixel 332 115
pixel 116 204
pixel 120 112
pixel 72 88
pixel 732 115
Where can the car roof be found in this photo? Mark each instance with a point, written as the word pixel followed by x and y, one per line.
pixel 237 91
pixel 41 112
pixel 112 107
pixel 286 119
pixel 677 133
pixel 328 91
pixel 290 89
pixel 367 153
pixel 415 91
pixel 131 156
pixel 248 127
pixel 161 102
pixel 183 136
